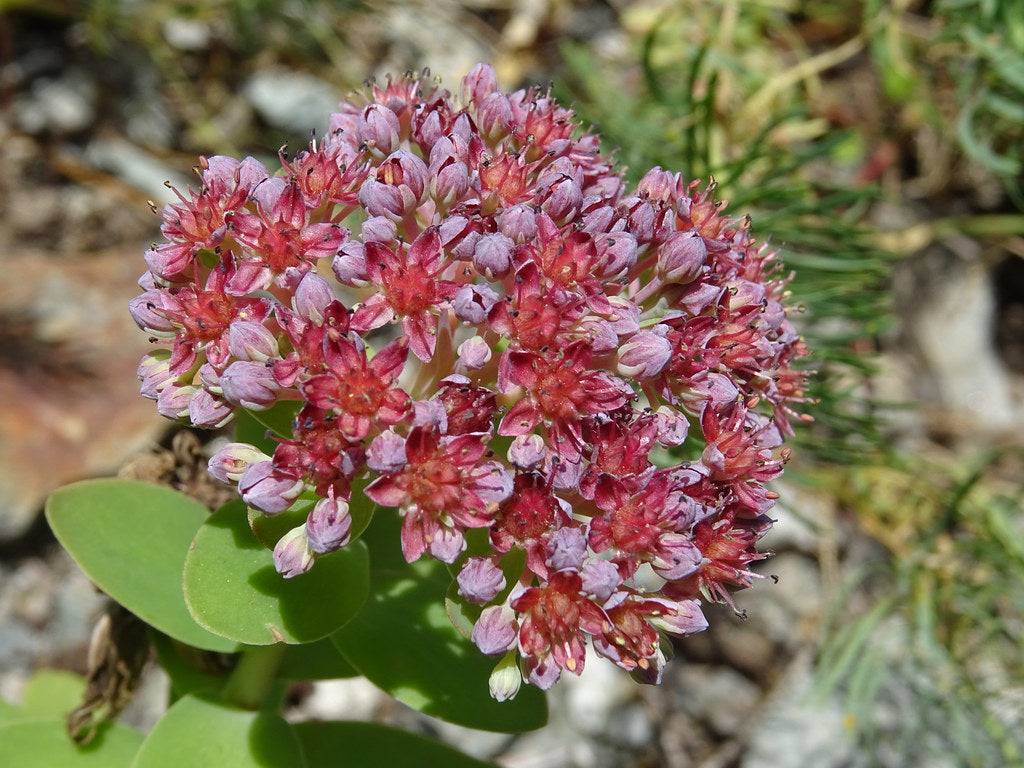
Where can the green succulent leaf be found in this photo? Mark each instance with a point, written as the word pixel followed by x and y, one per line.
pixel 51 693
pixel 191 670
pixel 259 428
pixel 369 745
pixel 200 733
pixel 315 661
pixel 131 539
pixel 46 744
pixel 404 643
pixel 232 588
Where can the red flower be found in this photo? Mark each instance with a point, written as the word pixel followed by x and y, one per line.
pixel 358 390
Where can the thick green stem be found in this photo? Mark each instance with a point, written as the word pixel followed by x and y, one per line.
pixel 253 679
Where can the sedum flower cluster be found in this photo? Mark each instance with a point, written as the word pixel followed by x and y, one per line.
pixel 487 329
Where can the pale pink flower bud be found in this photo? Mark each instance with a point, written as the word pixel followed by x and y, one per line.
pixel 208 411
pixel 564 200
pixel 479 83
pixel 566 548
pixel 683 617
pixel 657 185
pixel 328 525
pixel 149 310
pixel 645 354
pixel 230 462
pixel 249 384
pixel 600 578
pixel 173 401
pixel 168 260
pixel 518 223
pixel 494 117
pixel 493 255
pixel 672 426
pixel 312 297
pixel 473 302
pixel 527 451
pixel 495 630
pixel 380 128
pixel 449 182
pixel 681 257
pixel 480 580
pixel 268 488
pixel 249 340
pixel 387 452
pixel 378 229
pixel 474 353
pixel 292 554
pixel 349 266
pixel 155 373
pixel 617 251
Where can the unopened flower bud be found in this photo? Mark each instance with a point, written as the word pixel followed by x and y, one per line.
pixel 268 488
pixel 252 341
pixel 474 353
pixel 312 297
pixel 150 311
pixel 566 548
pixel 518 223
pixel 479 83
pixel 618 252
pixel 378 229
pixel 564 200
pixel 328 525
pixel 682 257
pixel 349 265
pixel 672 426
pixel 600 578
pixel 173 401
pixel 506 679
pixel 380 128
pixel 155 373
pixel 387 452
pixel 495 630
pixel 208 411
pixel 645 354
pixel 494 117
pixel 292 554
pixel 249 384
pixel 493 255
pixel 230 462
pixel 480 580
pixel 473 302
pixel 657 185
pixel 527 451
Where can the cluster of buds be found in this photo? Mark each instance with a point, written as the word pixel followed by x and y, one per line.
pixel 487 330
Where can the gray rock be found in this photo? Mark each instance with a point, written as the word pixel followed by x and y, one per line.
pixel 720 697
pixel 63 105
pixel 136 167
pixel 290 100
pixel 794 730
pixel 595 698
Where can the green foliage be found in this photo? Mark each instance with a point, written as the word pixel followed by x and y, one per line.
pixel 131 539
pixel 369 745
pixel 200 733
pixel 404 643
pixel 675 120
pixel 946 622
pixel 51 693
pixel 232 588
pixel 46 744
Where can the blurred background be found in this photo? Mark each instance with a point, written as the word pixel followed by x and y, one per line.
pixel 878 143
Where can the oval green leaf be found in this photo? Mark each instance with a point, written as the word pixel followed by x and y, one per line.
pixel 369 745
pixel 201 733
pixel 51 693
pixel 131 538
pixel 46 744
pixel 231 587
pixel 315 661
pixel 404 643
pixel 260 428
